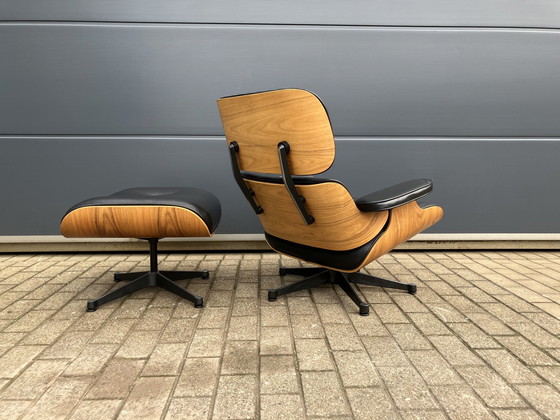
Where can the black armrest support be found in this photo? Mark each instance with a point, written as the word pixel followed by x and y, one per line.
pixel 395 196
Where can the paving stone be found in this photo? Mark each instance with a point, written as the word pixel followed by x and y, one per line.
pixel 274 316
pixel 550 307
pixel 245 307
pixel 307 326
pixel 481 336
pixel 423 415
pixel 240 357
pixel 17 359
pixel 333 314
pixel 490 387
pixel 104 409
pixel 517 304
pixel 356 369
pixel 324 294
pixel 446 313
pixel 117 379
pixel 537 335
pixel 551 374
pixel 323 394
pixel 455 352
pixel 510 368
pixel 390 314
pixel 517 415
pixel 47 332
pixel 473 336
pixel 29 321
pixel 275 340
pixel 504 313
pixel 463 304
pixel 194 408
pixel 442 288
pixel 460 403
pixel 131 307
pixel 154 318
pixel 371 403
pixel 242 328
pixel 91 321
pixel 281 406
pixel 408 337
pixel 549 323
pixel 278 375
pixel 114 331
pixel 214 317
pixel 408 389
pixel 10 410
pixel 433 368
pixel 91 360
pixel 139 344
pixel 56 301
pixel 490 324
pixel 68 346
pixel 207 343
pixel 246 290
pixel 408 303
pixel 35 380
pixel 178 330
pixel 429 324
pixel 236 397
pixel 147 399
pixel 368 326
pixel 301 305
pixel 60 399
pixel 343 337
pixel 198 377
pixel 525 351
pixel 313 354
pixel 384 351
pixel 165 360
pixel 543 397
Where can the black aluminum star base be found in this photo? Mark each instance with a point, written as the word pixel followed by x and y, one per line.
pixel 320 276
pixel 140 280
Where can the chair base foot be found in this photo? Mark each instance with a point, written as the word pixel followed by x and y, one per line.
pixel 319 276
pixel 91 306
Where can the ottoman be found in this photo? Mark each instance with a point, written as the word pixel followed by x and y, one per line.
pixel 149 213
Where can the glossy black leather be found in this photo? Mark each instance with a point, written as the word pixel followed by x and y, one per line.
pixel 395 196
pixel 201 202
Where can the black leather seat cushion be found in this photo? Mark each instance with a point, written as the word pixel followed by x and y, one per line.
pixel 395 196
pixel 201 202
pixel 339 260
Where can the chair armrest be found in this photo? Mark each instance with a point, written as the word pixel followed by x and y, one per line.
pixel 394 196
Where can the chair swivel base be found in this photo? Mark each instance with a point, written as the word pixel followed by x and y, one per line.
pixel 154 277
pixel 319 276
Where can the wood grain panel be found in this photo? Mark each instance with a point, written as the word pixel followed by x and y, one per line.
pixel 339 225
pixel 133 222
pixel 406 222
pixel 258 122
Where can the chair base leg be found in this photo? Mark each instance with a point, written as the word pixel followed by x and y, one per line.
pixel 319 276
pixel 154 277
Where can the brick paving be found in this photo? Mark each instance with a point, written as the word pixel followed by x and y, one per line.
pixel 479 340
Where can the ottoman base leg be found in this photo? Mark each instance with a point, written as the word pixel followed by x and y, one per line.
pixel 141 280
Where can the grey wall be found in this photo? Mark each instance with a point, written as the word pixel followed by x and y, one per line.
pixel 96 96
